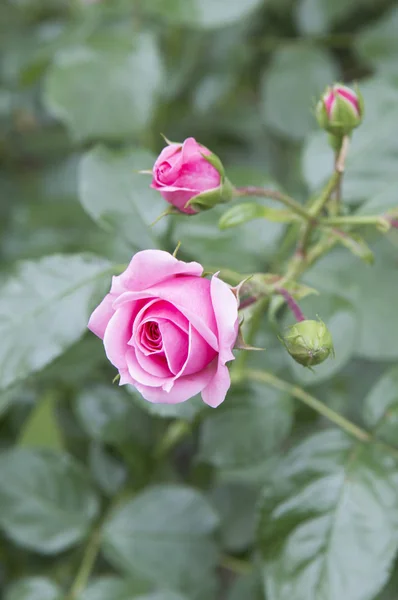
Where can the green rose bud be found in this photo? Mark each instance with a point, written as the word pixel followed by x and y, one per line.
pixel 309 342
pixel 340 110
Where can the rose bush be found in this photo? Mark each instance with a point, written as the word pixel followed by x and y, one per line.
pixel 168 330
pixel 181 172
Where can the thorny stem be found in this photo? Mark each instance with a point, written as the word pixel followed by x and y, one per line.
pixel 91 552
pixel 275 195
pixel 292 304
pixel 320 202
pixel 340 156
pixel 354 220
pixel 87 564
pixel 297 392
pixel 324 196
pixel 247 302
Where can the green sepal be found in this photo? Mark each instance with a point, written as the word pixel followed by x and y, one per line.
pixel 171 210
pixel 169 143
pixel 240 343
pixel 215 162
pixel 206 200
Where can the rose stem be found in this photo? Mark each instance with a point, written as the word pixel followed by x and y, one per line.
pixel 292 304
pixel 275 195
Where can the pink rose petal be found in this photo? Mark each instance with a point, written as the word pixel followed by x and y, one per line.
pixel 150 267
pixel 183 388
pixel 101 316
pixel 216 390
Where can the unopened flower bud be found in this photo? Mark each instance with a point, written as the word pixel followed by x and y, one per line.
pixel 340 110
pixel 309 342
pixel 190 177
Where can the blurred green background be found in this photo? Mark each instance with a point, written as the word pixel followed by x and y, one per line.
pixel 86 89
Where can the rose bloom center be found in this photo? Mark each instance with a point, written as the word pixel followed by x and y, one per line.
pixel 150 337
pixel 162 171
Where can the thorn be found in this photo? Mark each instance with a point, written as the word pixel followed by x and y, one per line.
pixel 168 142
pixel 177 249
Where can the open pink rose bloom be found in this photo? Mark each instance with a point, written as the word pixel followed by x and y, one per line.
pixel 181 173
pixel 168 330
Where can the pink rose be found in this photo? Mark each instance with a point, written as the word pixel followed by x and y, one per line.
pixel 168 330
pixel 181 172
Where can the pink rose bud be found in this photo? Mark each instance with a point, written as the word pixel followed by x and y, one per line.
pixel 340 110
pixel 190 177
pixel 168 330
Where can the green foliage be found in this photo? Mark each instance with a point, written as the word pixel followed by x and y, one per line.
pixel 307 71
pixel 103 495
pixel 118 197
pixel 47 502
pixel 172 522
pixel 267 416
pixel 33 588
pixel 56 289
pixel 202 13
pixel 104 90
pixel 248 211
pixel 329 511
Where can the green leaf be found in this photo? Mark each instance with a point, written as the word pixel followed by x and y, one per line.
pixel 370 176
pixel 118 197
pixel 381 407
pixel 319 16
pixel 390 591
pixel 306 71
pixel 33 588
pixel 236 505
pixel 329 521
pixel 206 14
pixel 108 415
pixel 47 504
pixel 340 318
pixel 163 534
pixel 187 411
pixel 106 90
pixel 44 309
pixel 267 417
pixel 248 211
pixel 377 44
pixel 42 429
pixel 370 291
pixel 114 588
pixel 247 587
pixel 200 236
pixel 109 473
